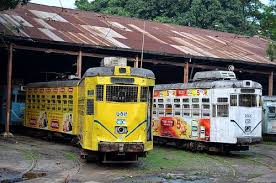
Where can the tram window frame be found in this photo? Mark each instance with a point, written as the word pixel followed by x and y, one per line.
pixel 186 100
pixel 195 100
pixel 205 100
pixel 233 100
pixel 100 92
pixel 214 110
pixel 160 100
pixel 144 94
pixel 176 100
pixel 222 100
pixel 244 104
pixel 223 112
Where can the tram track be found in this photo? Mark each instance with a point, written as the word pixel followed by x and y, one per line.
pixel 31 154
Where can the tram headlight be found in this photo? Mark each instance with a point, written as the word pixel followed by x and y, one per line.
pixel 121 129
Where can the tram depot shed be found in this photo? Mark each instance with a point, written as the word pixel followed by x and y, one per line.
pixel 38 42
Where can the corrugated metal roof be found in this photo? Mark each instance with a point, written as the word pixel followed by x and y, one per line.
pixel 74 26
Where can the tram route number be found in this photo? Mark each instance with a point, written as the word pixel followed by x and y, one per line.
pixel 121 114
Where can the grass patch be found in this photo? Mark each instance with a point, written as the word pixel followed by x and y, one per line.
pixel 70 155
pixel 174 159
pixel 269 142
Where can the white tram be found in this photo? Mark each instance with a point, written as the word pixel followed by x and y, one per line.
pixel 215 112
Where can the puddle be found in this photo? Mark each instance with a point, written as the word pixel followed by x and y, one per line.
pixel 11 176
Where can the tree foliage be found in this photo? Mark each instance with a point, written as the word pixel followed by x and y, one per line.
pixel 10 4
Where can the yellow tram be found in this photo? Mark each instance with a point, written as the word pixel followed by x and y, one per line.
pixel 109 109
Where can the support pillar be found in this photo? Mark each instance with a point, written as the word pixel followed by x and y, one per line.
pixel 270 84
pixel 136 63
pixel 186 72
pixel 79 65
pixel 9 88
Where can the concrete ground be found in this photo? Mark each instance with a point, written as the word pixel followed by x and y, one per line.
pixel 35 160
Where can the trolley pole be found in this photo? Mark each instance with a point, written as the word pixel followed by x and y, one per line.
pixel 9 88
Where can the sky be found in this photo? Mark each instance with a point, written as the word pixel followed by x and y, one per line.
pixel 71 3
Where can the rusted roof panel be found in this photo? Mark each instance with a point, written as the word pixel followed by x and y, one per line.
pixel 74 26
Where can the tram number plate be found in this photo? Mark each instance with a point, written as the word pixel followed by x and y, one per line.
pixel 121 114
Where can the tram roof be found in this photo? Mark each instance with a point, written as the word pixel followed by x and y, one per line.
pixel 49 84
pixel 209 85
pixel 109 71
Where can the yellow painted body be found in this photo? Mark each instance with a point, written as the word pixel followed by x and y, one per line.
pixel 53 109
pixel 92 126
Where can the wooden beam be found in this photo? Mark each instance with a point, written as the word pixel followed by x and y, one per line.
pixel 79 64
pixel 186 72
pixel 9 92
pixel 270 84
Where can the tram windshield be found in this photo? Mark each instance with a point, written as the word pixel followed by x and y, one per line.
pixel 247 100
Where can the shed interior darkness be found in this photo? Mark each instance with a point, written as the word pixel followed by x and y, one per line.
pixel 33 66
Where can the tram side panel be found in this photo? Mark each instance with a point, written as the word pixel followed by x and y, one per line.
pixel 177 114
pixel 52 108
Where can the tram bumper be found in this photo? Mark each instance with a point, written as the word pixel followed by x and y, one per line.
pixel 249 140
pixel 121 147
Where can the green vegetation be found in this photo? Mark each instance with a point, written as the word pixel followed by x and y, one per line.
pixel 10 4
pixel 70 155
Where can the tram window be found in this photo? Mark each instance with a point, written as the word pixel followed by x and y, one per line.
pixel 59 101
pixel 160 112
pixel 222 100
pixel 233 100
pixel 30 101
pixel 205 106
pixel 37 96
pixel 58 97
pixel 205 114
pixel 177 106
pixel 168 100
pixel 48 101
pixel 90 107
pixel 248 100
pixel 53 96
pixel 214 111
pixel 195 100
pixel 153 112
pixel 272 109
pixel 160 106
pixel 186 113
pixel 64 96
pixel 144 94
pixel 38 101
pixel 177 100
pixel 154 100
pixel 70 109
pixel 185 100
pixel 99 92
pixel 43 101
pixel 177 113
pixel 64 101
pixel 168 109
pixel 33 96
pixel 59 108
pixel 186 106
pixel 195 113
pixel 195 106
pixel 154 106
pixel 121 93
pixel 42 96
pixel 70 96
pixel 222 111
pixel 90 93
pixel 160 100
pixel 70 102
pixel 53 101
pixel 169 106
pixel 205 100
pixel 33 100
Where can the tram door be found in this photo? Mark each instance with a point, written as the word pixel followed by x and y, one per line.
pixel 270 119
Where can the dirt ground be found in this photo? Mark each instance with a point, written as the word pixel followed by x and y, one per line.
pixel 35 160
